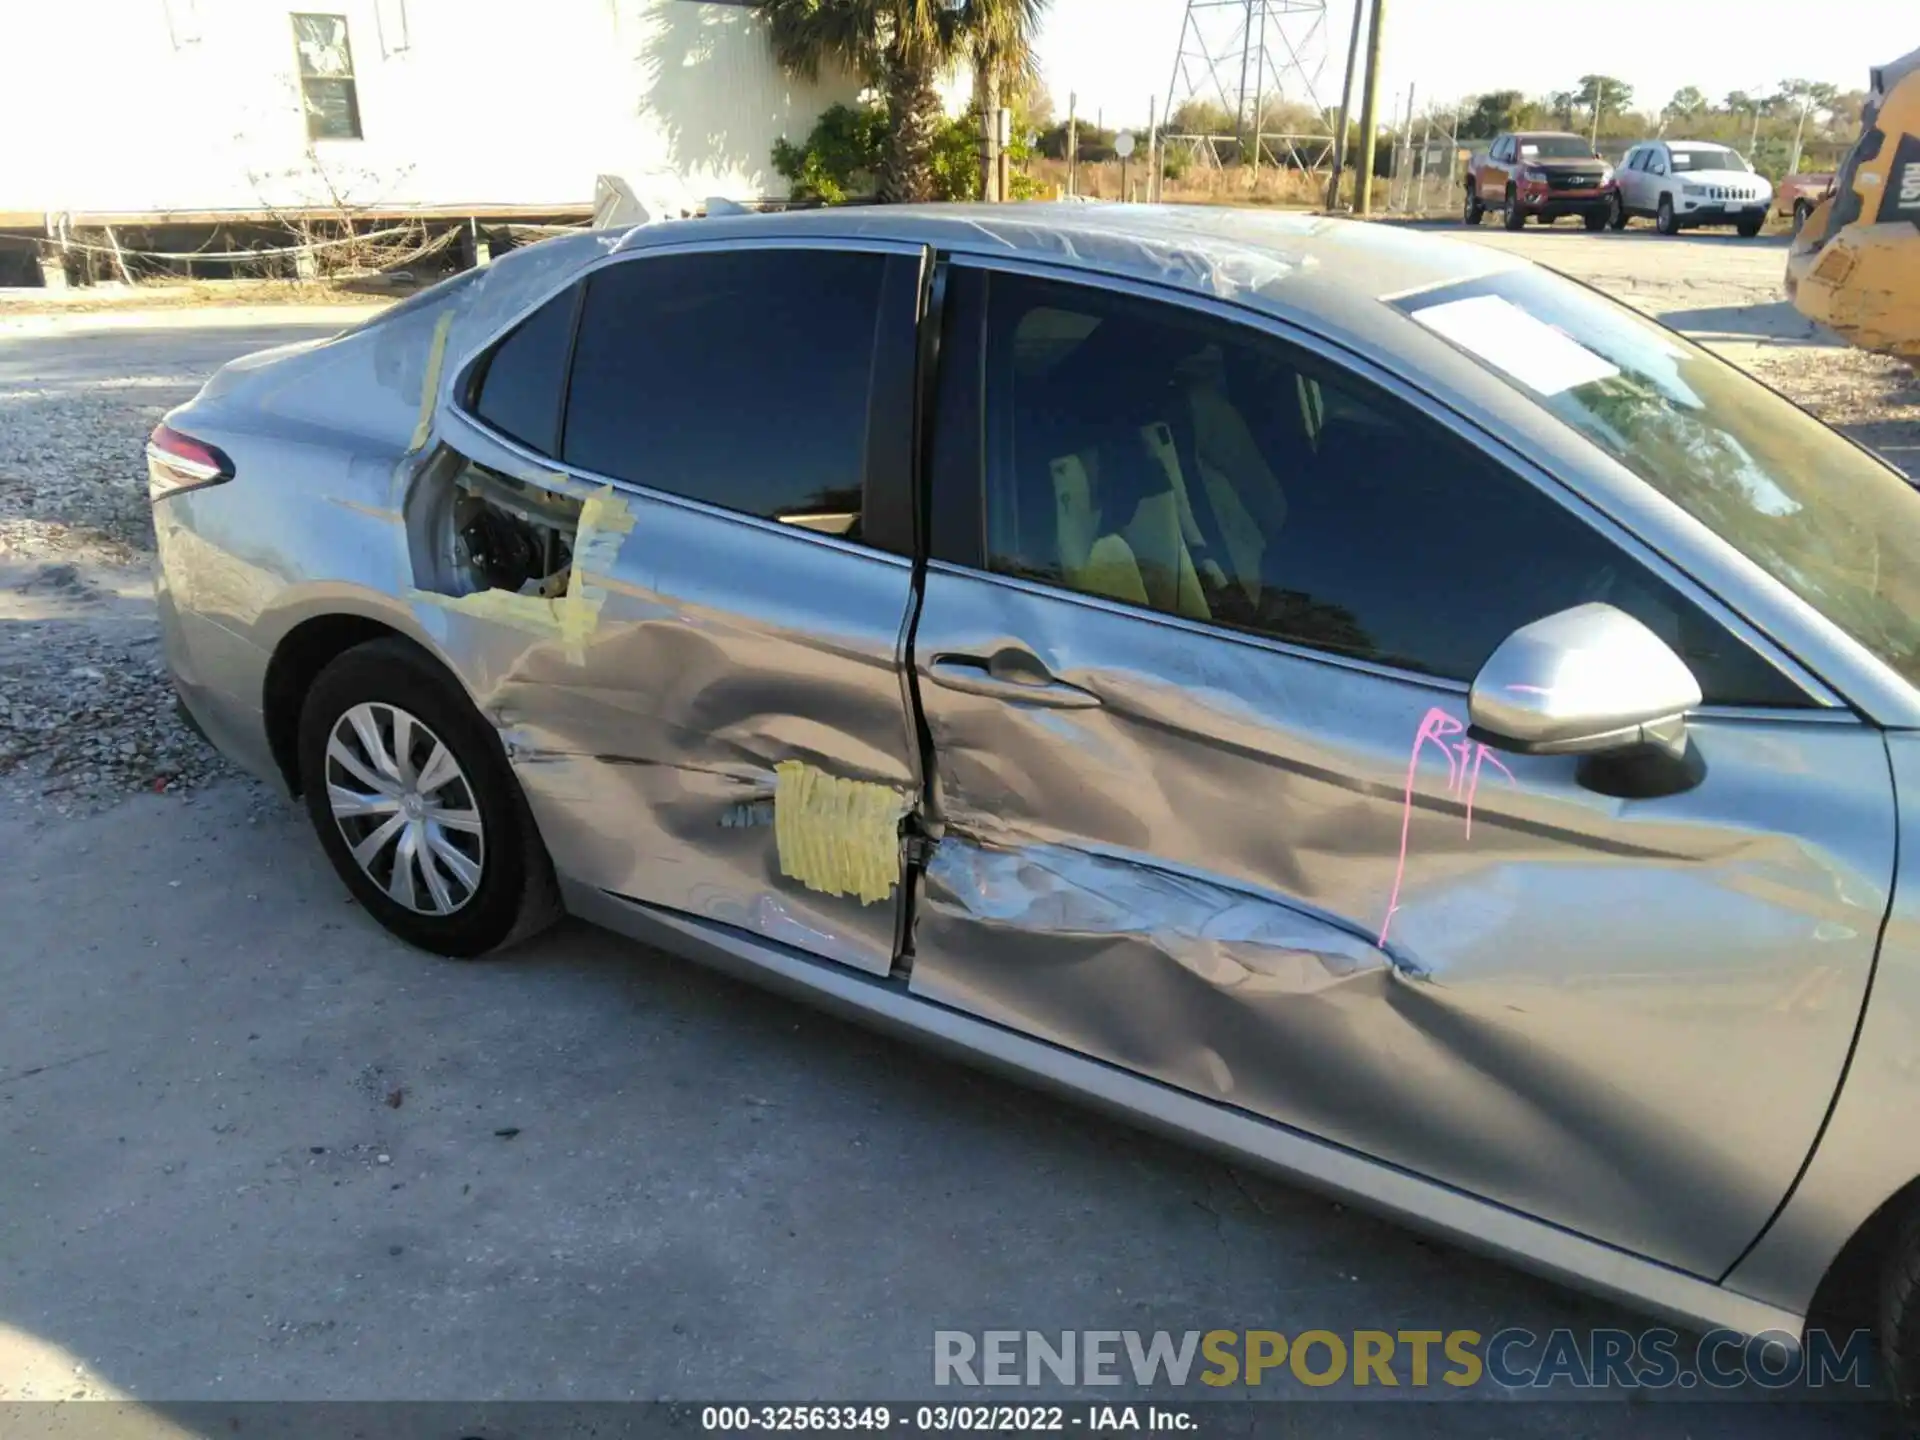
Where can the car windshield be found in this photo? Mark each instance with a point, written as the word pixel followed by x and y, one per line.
pixel 1713 158
pixel 1833 524
pixel 1555 147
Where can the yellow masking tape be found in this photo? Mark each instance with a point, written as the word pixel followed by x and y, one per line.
pixel 604 523
pixel 837 836
pixel 430 382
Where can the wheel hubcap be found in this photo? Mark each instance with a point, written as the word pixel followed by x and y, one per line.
pixel 405 809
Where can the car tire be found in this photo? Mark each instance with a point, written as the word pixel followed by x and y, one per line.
pixel 1597 219
pixel 461 870
pixel 1617 212
pixel 1471 210
pixel 1750 228
pixel 1664 219
pixel 1801 210
pixel 1899 1316
pixel 1511 214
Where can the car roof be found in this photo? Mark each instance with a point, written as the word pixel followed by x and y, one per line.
pixel 1288 263
pixel 1696 145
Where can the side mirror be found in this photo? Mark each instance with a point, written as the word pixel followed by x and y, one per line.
pixel 1586 681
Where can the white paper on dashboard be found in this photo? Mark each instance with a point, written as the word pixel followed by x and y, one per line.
pixel 1540 357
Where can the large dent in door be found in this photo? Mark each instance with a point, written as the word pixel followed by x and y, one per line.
pixel 681 739
pixel 1229 936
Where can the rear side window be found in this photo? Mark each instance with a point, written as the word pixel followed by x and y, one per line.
pixel 521 386
pixel 737 378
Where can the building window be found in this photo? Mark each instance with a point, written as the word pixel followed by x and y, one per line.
pixel 327 90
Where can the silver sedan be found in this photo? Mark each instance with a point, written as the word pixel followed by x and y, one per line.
pixel 1353 699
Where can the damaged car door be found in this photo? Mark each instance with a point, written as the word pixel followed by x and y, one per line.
pixel 1202 611
pixel 669 547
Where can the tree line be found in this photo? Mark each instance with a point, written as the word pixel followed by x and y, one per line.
pixel 910 151
pixel 1798 124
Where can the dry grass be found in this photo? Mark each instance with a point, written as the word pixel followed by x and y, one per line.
pixel 1288 189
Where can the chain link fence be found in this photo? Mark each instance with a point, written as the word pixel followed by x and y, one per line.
pixel 1427 168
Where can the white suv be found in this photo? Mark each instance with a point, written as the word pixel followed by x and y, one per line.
pixel 1683 183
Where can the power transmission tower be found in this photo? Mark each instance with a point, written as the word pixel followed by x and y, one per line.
pixel 1259 62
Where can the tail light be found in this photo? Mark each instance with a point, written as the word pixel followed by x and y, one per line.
pixel 177 462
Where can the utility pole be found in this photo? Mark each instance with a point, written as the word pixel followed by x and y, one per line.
pixel 1392 148
pixel 1406 156
pixel 1753 141
pixel 1426 147
pixel 1153 149
pixel 1799 135
pixel 1346 105
pixel 1370 111
pixel 1073 140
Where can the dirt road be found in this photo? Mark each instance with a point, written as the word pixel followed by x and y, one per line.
pixel 254 1148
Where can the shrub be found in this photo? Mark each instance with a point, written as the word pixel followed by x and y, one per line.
pixel 840 157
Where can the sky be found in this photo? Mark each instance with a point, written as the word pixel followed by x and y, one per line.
pixel 1117 53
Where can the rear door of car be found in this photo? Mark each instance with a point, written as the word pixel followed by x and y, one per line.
pixel 1203 602
pixel 1628 177
pixel 1493 174
pixel 716 720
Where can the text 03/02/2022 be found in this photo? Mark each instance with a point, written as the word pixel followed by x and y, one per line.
pixel 939 1419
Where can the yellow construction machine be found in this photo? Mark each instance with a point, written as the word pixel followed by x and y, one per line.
pixel 1855 264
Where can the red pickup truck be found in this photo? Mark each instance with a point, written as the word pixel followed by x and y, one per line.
pixel 1542 173
pixel 1799 195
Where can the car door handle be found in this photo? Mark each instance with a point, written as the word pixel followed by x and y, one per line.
pixel 1015 675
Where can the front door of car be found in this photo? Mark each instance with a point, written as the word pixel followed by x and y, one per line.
pixel 1194 666
pixel 710 714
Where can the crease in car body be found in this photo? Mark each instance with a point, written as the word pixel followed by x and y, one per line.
pixel 539 558
pixel 921 829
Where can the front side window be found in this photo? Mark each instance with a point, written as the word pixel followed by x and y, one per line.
pixel 1836 526
pixel 739 378
pixel 328 92
pixel 1158 457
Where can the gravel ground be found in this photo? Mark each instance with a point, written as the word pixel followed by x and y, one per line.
pixel 87 715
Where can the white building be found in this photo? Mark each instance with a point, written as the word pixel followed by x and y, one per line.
pixel 142 111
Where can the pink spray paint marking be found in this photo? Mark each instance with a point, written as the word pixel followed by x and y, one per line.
pixel 1464 758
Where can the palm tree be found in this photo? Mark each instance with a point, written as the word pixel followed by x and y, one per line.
pixel 902 46
pixel 1000 36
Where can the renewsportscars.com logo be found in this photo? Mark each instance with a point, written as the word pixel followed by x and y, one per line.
pixel 1513 1359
